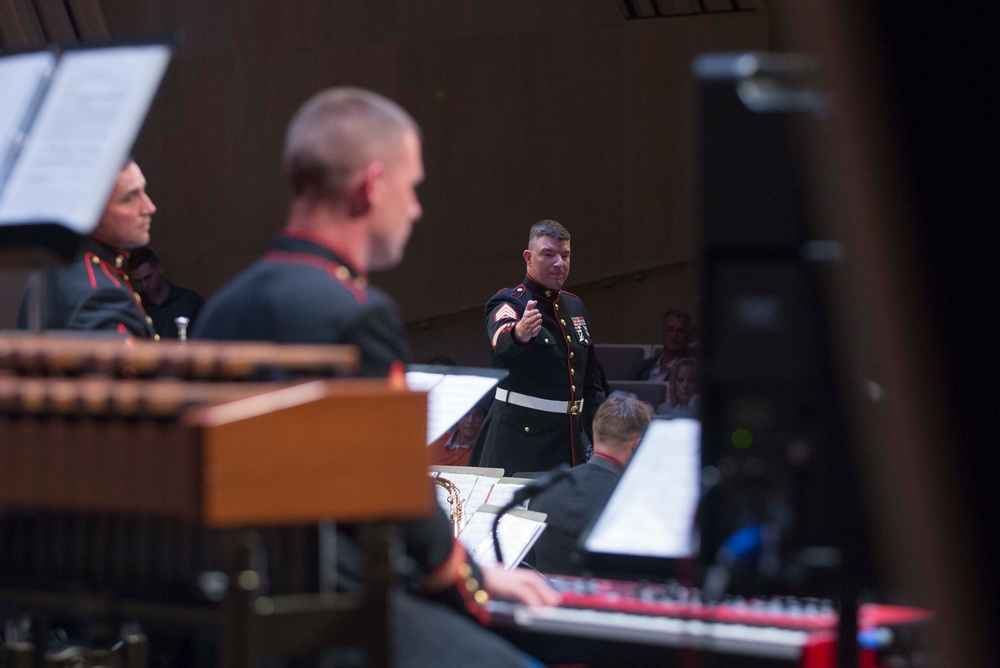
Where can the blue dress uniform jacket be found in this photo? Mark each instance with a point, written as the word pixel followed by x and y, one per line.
pixel 302 292
pixel 557 366
pixel 571 506
pixel 91 293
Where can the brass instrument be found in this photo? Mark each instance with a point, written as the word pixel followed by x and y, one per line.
pixel 457 516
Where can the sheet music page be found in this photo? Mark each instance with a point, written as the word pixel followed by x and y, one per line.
pixel 518 531
pixel 21 78
pixel 83 132
pixel 651 512
pixel 504 490
pixel 420 381
pixel 449 398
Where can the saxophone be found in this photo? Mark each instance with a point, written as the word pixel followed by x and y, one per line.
pixel 454 502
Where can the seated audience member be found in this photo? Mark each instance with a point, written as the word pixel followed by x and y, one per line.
pixel 574 502
pixel 453 448
pixel 675 336
pixel 164 302
pixel 684 385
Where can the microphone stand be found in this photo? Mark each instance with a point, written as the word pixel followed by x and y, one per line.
pixel 540 484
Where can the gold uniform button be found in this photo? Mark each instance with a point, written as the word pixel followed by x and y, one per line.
pixel 557 307
pixel 156 337
pixel 527 429
pixel 567 337
pixel 465 570
pixel 548 293
pixel 481 597
pixel 138 299
pixel 149 320
pixel 118 261
pixel 572 388
pixel 343 273
pixel 361 282
pixel 546 340
pixel 472 584
pixel 563 322
pixel 572 372
pixel 572 354
pixel 95 260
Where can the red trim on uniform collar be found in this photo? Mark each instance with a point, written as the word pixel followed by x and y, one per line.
pixel 609 458
pixel 314 238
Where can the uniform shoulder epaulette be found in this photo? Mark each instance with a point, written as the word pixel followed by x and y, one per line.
pixel 92 260
pixel 338 272
pixel 516 291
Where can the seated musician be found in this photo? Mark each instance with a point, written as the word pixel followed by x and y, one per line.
pixel 574 502
pixel 352 161
pixel 93 293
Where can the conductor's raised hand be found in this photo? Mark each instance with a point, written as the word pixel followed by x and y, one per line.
pixel 530 323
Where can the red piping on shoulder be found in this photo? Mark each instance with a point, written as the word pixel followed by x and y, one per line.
pixel 329 267
pixel 88 262
pixel 104 268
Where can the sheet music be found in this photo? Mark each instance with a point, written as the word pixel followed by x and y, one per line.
pixel 85 128
pixel 518 530
pixel 503 491
pixel 21 79
pixel 450 396
pixel 651 512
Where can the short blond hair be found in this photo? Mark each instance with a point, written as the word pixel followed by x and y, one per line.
pixel 335 134
pixel 619 420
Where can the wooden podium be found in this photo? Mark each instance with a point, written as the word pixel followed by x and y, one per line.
pixel 227 458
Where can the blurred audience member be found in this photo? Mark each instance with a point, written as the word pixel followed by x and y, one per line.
pixel 163 301
pixel 454 447
pixel 675 336
pixel 684 388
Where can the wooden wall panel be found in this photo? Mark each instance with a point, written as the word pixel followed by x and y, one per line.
pixel 89 19
pixel 55 21
pixel 659 218
pixel 560 109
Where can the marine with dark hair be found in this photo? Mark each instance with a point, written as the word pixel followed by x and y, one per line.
pixel 541 334
pixel 93 292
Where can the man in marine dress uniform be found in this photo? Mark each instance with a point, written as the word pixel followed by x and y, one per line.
pixel 352 161
pixel 93 292
pixel 541 334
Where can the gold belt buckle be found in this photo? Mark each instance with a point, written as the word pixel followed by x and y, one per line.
pixel 575 407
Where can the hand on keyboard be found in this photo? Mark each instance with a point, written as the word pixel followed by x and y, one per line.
pixel 521 585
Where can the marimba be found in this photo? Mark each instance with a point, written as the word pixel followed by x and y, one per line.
pixel 157 481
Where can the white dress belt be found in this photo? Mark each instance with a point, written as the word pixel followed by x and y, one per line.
pixel 539 404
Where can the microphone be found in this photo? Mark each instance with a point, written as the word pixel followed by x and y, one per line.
pixel 537 485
